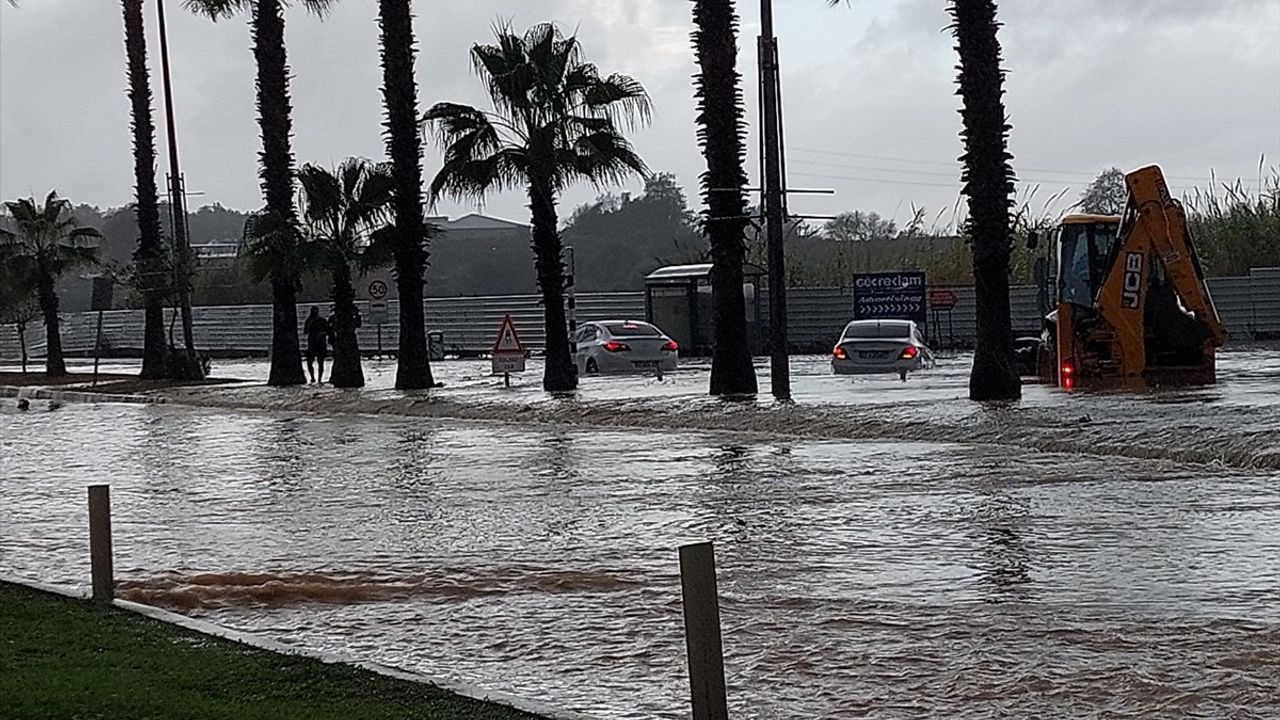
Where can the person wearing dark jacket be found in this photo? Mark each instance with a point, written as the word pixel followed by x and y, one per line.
pixel 317 331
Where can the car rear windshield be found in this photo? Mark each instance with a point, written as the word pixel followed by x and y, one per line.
pixel 632 330
pixel 878 330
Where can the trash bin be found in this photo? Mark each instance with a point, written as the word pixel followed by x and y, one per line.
pixel 435 345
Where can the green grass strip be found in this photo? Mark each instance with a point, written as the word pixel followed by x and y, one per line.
pixel 71 659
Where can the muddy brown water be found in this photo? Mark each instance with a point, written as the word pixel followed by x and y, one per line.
pixel 885 549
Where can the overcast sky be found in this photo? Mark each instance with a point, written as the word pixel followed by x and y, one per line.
pixel 1193 85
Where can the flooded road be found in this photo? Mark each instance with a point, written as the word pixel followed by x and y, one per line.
pixel 885 549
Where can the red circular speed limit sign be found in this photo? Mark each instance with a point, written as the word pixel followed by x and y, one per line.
pixel 377 289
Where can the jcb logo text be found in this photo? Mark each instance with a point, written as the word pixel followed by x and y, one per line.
pixel 1132 280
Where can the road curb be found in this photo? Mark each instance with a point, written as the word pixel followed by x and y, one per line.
pixel 205 627
pixel 77 396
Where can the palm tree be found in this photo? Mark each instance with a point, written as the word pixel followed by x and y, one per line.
pixel 277 165
pixel 720 133
pixel 48 243
pixel 555 122
pixel 989 185
pixel 342 212
pixel 411 232
pixel 150 255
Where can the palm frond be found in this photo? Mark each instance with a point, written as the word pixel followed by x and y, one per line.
pixel 621 98
pixel 321 196
pixel 380 251
pixel 555 119
pixel 376 191
pixel 506 73
pixel 471 178
pixel 216 10
pixel 604 158
pixel 343 208
pixel 319 8
pixel 454 123
pixel 274 247
pixel 550 54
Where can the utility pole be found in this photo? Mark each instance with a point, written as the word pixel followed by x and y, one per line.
pixel 178 212
pixel 774 199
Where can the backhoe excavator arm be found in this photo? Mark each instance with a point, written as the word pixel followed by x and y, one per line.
pixel 1167 224
pixel 1154 230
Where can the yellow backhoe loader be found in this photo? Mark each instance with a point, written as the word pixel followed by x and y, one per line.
pixel 1132 307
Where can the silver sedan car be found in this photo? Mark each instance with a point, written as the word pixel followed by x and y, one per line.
pixel 618 346
pixel 881 346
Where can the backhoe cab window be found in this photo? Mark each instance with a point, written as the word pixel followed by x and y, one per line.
pixel 1083 251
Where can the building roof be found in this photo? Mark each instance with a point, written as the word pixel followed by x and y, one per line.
pixel 680 272
pixel 1084 219
pixel 476 221
pixel 699 271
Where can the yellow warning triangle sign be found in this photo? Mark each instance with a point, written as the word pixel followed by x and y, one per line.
pixel 507 340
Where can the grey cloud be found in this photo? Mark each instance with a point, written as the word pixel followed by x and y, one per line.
pixel 1092 83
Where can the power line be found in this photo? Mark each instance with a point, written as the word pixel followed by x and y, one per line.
pixel 956 185
pixel 956 163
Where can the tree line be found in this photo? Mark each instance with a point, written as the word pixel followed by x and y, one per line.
pixel 554 120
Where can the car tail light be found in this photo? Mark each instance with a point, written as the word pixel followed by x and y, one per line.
pixel 840 353
pixel 1068 375
pixel 615 346
pixel 910 353
pixel 671 346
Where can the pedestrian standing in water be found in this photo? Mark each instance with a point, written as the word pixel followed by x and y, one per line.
pixel 317 331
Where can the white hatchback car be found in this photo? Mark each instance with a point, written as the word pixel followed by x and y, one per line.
pixel 881 346
pixel 617 346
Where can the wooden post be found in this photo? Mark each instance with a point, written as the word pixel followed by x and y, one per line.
pixel 702 631
pixel 100 543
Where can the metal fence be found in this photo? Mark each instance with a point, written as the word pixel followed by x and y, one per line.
pixel 1249 306
pixel 469 325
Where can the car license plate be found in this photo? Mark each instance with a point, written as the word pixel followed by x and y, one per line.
pixel 645 363
pixel 873 354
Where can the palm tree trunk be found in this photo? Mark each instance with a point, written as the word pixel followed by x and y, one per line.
pixel 989 185
pixel 404 146
pixel 54 365
pixel 560 374
pixel 721 136
pixel 346 372
pixel 277 181
pixel 149 257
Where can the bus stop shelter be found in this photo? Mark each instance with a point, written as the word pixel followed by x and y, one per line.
pixel 677 298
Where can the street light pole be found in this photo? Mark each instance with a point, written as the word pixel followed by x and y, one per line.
pixel 773 198
pixel 178 211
